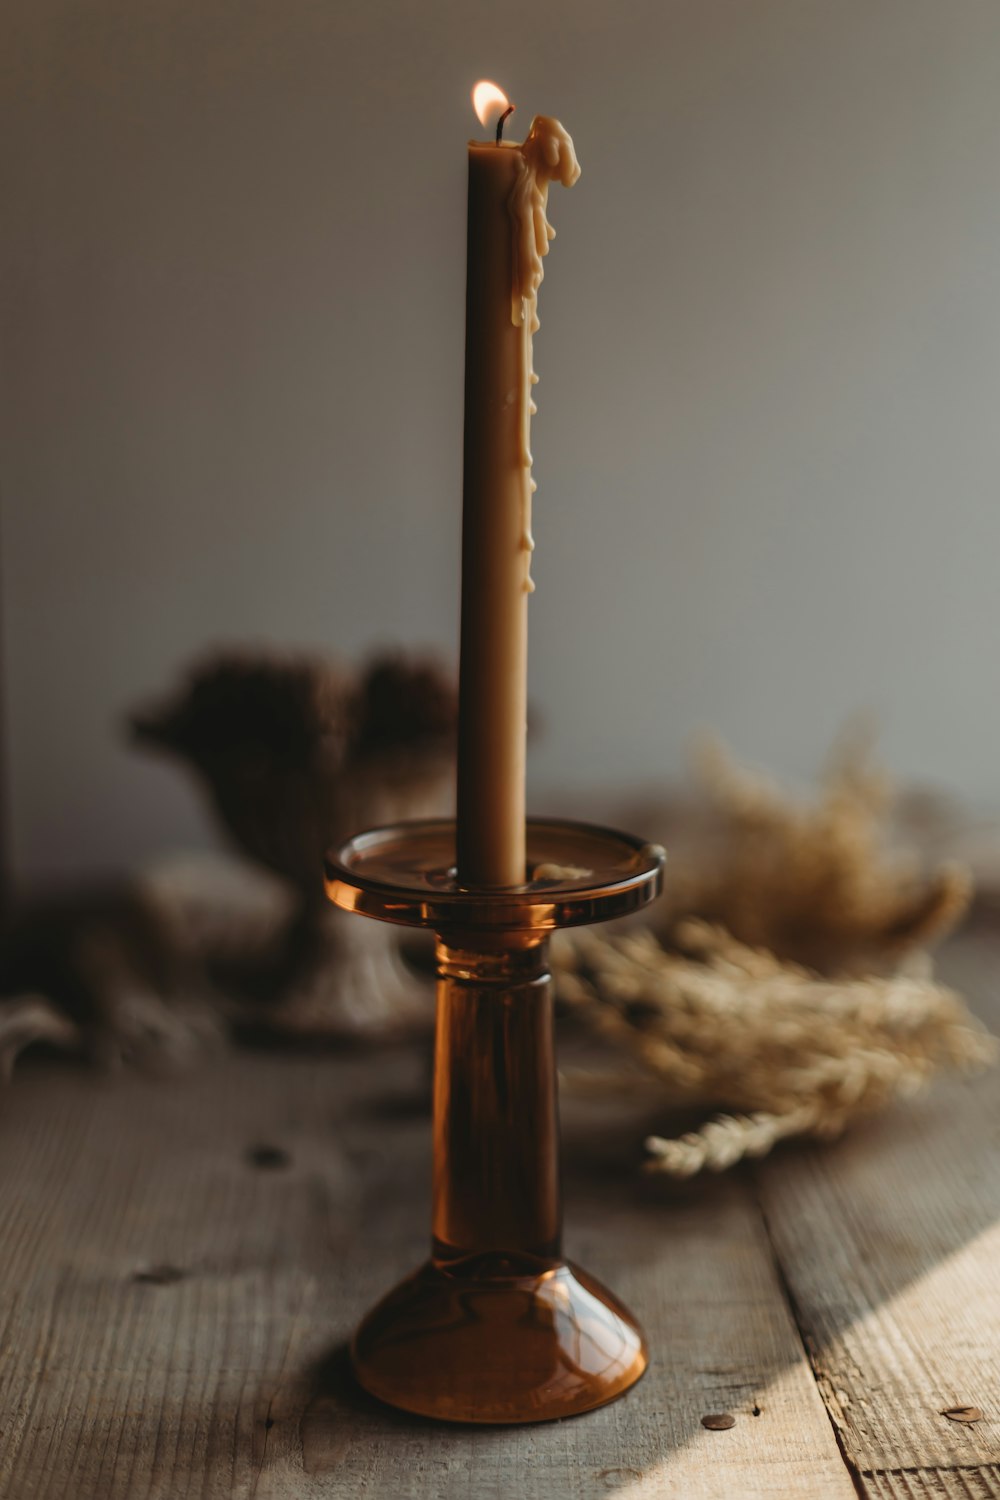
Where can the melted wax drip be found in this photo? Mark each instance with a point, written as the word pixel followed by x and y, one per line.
pixel 546 156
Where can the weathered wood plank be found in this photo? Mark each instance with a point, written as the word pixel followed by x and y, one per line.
pixel 933 1484
pixel 168 1310
pixel 890 1245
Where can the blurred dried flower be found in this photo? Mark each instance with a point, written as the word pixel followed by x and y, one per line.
pixel 812 882
pixel 299 752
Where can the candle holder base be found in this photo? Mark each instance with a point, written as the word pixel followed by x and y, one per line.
pixel 498 1344
pixel 497 1326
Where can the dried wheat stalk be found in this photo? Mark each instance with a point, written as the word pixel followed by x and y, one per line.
pixel 781 1050
pixel 787 983
pixel 813 881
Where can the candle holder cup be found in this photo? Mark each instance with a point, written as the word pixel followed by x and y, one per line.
pixel 496 1326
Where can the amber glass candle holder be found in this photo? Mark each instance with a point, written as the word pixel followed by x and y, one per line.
pixel 496 1326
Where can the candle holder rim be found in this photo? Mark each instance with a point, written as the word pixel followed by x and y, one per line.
pixel 401 892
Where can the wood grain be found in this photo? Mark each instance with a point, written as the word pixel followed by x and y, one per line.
pixel 890 1247
pixel 173 1317
pixel 933 1484
pixel 175 1305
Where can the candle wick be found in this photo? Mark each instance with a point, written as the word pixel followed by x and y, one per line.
pixel 500 123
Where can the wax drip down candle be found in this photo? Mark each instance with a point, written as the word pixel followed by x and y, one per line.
pixel 508 235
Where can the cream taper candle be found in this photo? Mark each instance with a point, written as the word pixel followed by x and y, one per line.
pixel 508 235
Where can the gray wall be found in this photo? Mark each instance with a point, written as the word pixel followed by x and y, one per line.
pixel 768 450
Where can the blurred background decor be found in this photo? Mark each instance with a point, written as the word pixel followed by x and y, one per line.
pixel 294 751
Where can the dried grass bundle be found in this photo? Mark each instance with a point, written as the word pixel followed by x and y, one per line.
pixel 783 1051
pixel 786 983
pixel 815 882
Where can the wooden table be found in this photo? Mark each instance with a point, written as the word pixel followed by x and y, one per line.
pixel 175 1302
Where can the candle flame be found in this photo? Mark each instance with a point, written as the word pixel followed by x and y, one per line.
pixel 487 99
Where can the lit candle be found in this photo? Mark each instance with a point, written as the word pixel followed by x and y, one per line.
pixel 509 233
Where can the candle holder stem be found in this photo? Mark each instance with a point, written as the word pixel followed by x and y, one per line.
pixel 496 1326
pixel 496 1147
